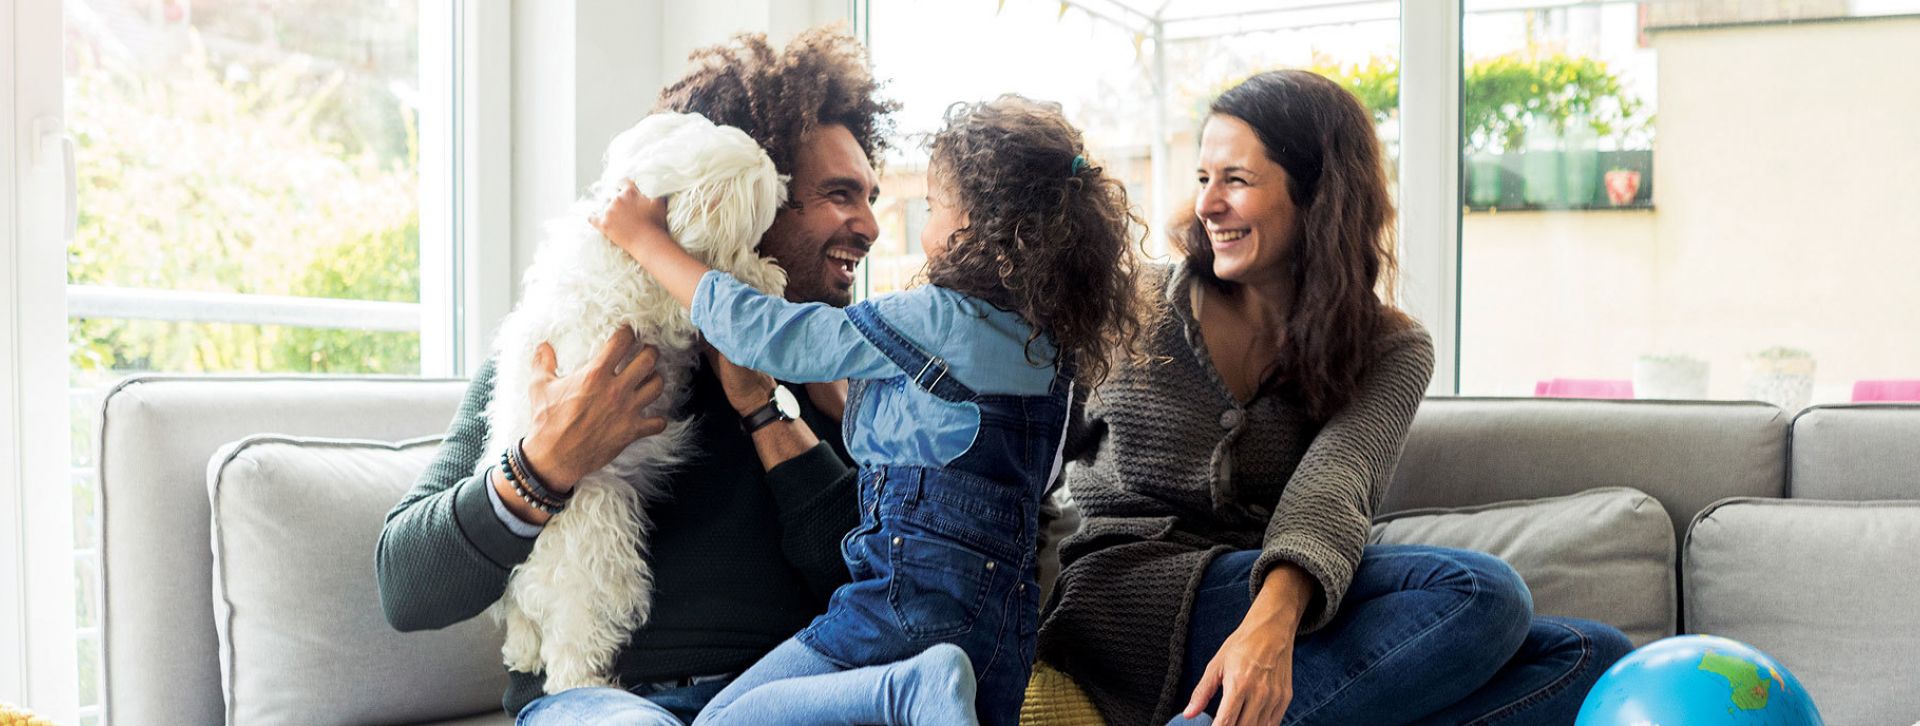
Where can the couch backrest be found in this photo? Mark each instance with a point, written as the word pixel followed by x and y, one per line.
pixel 1466 451
pixel 156 435
pixel 1857 452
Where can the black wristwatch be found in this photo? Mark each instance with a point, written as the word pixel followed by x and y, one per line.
pixel 780 407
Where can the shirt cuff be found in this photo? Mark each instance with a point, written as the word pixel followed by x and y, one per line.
pixel 515 524
pixel 702 307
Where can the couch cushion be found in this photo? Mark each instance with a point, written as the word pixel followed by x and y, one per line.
pixel 1687 454
pixel 295 525
pixel 1603 554
pixel 1856 452
pixel 1826 588
pixel 156 433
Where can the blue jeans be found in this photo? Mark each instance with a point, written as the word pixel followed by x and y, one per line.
pixel 795 685
pixel 1425 634
pixel 615 707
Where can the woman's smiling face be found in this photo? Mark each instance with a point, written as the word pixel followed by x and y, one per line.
pixel 1243 200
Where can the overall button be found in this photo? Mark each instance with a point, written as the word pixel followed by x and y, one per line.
pixel 1231 419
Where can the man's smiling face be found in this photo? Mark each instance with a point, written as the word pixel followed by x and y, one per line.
pixel 828 226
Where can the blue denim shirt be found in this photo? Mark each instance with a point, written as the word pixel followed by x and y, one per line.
pixel 984 347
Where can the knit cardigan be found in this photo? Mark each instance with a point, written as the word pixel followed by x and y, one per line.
pixel 1171 470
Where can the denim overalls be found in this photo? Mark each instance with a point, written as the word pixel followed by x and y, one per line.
pixel 947 554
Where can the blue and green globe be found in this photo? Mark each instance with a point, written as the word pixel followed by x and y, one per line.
pixel 1697 680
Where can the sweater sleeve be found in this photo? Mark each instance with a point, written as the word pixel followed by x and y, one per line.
pixel 815 496
pixel 444 555
pixel 1322 521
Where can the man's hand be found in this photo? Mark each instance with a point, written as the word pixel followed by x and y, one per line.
pixel 1254 668
pixel 585 419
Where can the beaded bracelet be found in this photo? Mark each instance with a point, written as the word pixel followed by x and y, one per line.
pixel 520 489
pixel 517 455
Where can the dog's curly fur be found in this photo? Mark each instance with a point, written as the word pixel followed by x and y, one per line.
pixel 587 586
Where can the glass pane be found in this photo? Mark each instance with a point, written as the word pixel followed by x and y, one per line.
pixel 238 147
pixel 1099 60
pixel 1690 199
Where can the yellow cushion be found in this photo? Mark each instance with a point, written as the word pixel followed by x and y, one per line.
pixel 1053 699
pixel 11 715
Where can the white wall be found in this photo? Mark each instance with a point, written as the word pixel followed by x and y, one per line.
pixel 583 70
pixel 1786 173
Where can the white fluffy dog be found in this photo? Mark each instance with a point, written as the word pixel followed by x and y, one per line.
pixel 586 587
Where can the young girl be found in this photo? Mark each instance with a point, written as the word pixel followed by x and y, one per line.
pixel 958 405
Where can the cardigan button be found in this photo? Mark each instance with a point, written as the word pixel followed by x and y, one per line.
pixel 1231 419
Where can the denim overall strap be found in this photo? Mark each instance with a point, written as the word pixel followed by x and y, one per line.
pixel 926 371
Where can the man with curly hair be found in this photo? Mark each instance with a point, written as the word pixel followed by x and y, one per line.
pixel 745 552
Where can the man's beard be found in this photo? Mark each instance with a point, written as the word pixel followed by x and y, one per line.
pixel 807 276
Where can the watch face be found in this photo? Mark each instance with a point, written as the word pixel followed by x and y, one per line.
pixel 784 401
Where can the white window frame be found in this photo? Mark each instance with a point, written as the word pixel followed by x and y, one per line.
pixel 465 182
pixel 36 517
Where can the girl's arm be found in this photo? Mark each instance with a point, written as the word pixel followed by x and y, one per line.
pixel 637 224
pixel 800 343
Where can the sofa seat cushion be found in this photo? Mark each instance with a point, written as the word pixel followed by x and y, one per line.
pixel 1603 554
pixel 1827 588
pixel 302 635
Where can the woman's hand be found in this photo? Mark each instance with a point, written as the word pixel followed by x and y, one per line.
pixel 634 222
pixel 1254 668
pixel 583 420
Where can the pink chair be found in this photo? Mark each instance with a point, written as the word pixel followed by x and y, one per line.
pixel 1887 390
pixel 1583 388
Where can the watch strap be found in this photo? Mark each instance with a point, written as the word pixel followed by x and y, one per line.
pixel 762 417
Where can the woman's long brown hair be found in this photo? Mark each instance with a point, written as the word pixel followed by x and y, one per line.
pixel 1343 266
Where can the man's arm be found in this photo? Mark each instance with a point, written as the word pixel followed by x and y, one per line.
pixel 816 494
pixel 812 488
pixel 444 555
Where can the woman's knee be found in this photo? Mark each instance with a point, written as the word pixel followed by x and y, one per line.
pixel 1493 600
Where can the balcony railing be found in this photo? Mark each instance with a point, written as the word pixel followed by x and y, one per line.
pixel 94 301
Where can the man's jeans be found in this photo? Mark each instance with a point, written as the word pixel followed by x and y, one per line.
pixel 615 707
pixel 1425 634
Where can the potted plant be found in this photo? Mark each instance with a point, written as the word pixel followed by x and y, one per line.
pixel 1781 376
pixel 1542 167
pixel 1623 186
pixel 1483 180
pixel 1673 377
pixel 1580 162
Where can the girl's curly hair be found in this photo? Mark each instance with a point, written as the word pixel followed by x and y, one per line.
pixel 1048 232
pixel 822 78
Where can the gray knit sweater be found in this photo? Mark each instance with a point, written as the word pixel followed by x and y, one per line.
pixel 1174 471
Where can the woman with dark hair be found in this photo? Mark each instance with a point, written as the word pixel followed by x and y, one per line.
pixel 1229 479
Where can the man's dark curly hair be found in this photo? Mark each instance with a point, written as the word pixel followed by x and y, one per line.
pixel 822 78
pixel 1048 232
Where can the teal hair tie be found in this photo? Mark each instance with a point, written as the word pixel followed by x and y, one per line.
pixel 1079 164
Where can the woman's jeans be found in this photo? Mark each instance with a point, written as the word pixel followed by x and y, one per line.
pixel 1425 634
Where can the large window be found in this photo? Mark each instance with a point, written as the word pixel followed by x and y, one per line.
pixel 248 182
pixel 1690 200
pixel 1674 199
pixel 1135 77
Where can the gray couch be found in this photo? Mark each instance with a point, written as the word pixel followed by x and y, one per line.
pixel 240 516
